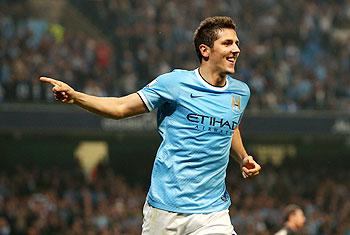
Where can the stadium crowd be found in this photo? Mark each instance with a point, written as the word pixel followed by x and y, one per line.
pixel 58 201
pixel 30 47
pixel 295 54
pixel 61 201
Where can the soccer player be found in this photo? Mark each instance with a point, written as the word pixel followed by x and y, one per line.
pixel 294 220
pixel 199 112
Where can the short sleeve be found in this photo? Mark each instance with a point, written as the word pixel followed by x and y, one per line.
pixel 159 91
pixel 244 101
pixel 245 98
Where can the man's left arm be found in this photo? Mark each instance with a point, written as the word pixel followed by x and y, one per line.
pixel 248 165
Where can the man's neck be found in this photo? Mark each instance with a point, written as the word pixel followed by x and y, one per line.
pixel 212 77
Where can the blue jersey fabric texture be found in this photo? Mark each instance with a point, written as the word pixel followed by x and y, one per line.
pixel 195 121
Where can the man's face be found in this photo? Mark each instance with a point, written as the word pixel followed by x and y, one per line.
pixel 299 218
pixel 225 51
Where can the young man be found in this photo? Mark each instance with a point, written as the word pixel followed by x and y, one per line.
pixel 198 116
pixel 294 220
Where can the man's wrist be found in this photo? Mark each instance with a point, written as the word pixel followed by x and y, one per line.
pixel 77 97
pixel 243 159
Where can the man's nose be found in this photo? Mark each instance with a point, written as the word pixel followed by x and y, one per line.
pixel 236 49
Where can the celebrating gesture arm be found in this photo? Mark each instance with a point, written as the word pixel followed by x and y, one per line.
pixel 111 107
pixel 249 167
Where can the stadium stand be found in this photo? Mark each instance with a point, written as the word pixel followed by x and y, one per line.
pixel 61 201
pixel 295 55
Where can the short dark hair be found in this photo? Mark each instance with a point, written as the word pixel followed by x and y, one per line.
pixel 207 31
pixel 289 210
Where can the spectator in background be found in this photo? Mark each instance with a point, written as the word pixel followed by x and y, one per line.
pixel 4 227
pixel 294 220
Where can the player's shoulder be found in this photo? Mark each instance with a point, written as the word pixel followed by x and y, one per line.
pixel 178 73
pixel 236 84
pixel 174 76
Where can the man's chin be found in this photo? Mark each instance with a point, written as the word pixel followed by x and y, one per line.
pixel 227 72
pixel 230 71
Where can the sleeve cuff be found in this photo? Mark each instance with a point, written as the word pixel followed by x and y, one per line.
pixel 145 101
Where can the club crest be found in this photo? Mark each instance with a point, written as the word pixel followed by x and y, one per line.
pixel 236 103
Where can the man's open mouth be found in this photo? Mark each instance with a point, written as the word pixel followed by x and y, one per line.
pixel 231 59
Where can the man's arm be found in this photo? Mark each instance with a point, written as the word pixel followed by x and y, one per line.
pixel 111 107
pixel 249 166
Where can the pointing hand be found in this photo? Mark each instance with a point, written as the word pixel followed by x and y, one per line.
pixel 61 90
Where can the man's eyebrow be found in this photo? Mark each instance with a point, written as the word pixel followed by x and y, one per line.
pixel 231 40
pixel 228 40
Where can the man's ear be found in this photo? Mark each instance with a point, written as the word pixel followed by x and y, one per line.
pixel 205 51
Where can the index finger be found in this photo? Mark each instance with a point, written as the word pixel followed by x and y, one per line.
pixel 49 80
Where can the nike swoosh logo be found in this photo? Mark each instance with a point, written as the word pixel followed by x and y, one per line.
pixel 195 96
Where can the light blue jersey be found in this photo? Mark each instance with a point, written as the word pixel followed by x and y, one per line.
pixel 196 121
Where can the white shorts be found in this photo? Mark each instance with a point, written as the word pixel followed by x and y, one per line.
pixel 160 222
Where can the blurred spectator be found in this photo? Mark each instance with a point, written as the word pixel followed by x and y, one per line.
pixel 294 220
pixel 4 227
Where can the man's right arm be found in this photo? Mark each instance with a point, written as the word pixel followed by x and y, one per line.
pixel 111 107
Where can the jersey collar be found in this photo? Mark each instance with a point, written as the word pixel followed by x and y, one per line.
pixel 200 78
